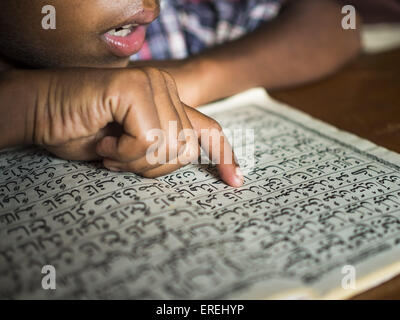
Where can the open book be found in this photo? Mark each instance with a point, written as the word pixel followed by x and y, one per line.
pixel 316 203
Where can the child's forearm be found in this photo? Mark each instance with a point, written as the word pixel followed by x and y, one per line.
pixel 18 102
pixel 304 43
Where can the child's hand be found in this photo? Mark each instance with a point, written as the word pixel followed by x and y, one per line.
pixel 75 115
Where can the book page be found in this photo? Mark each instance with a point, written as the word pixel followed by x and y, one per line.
pixel 315 202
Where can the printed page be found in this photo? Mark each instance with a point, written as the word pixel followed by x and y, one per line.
pixel 318 206
pixel 322 206
pixel 83 220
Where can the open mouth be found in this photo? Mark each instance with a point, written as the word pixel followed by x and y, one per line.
pixel 127 37
pixel 126 40
pixel 123 31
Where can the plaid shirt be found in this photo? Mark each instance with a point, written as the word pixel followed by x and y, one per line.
pixel 186 27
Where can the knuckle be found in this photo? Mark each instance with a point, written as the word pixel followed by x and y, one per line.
pixel 168 77
pixel 214 125
pixel 170 81
pixel 140 76
pixel 152 71
pixel 125 79
pixel 123 87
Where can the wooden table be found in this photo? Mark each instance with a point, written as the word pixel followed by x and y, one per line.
pixel 362 98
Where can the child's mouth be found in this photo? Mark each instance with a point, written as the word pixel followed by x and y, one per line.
pixel 126 40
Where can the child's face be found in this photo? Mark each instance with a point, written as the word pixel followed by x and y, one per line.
pixel 80 37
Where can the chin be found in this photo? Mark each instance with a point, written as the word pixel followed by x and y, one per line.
pixel 120 63
pixel 108 61
pixel 104 65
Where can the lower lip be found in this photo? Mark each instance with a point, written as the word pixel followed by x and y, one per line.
pixel 126 46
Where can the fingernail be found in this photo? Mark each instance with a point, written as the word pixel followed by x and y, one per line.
pixel 114 169
pixel 237 162
pixel 239 178
pixel 239 173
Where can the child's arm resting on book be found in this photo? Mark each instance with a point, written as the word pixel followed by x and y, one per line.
pixel 71 114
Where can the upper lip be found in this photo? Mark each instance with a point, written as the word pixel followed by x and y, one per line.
pixel 143 17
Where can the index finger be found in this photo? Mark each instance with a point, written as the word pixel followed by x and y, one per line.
pixel 216 146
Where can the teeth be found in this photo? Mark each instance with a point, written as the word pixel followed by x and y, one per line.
pixel 122 31
pixel 130 26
